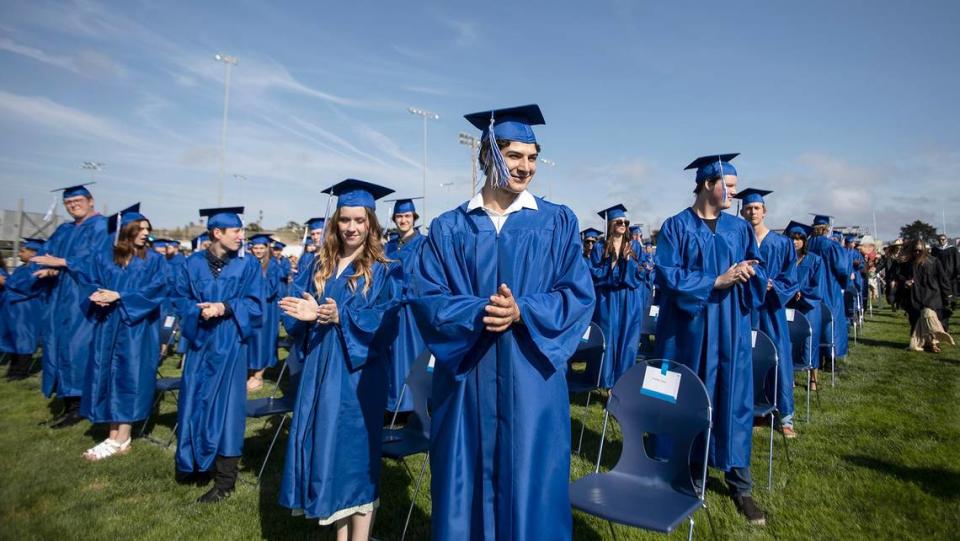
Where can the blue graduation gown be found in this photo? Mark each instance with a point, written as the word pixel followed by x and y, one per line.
pixel 334 452
pixel 67 332
pixel 811 279
pixel 408 344
pixel 500 432
pixel 21 310
pixel 621 299
pixel 263 343
pixel 836 266
pixel 780 260
pixel 709 330
pixel 167 309
pixel 211 410
pixel 121 378
pixel 286 271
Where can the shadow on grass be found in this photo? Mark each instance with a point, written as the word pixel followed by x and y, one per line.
pixel 883 343
pixel 936 482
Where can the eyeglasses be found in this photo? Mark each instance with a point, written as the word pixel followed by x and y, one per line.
pixel 620 222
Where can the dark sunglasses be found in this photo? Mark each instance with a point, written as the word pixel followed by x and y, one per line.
pixel 620 222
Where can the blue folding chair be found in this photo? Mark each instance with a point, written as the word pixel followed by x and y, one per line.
pixel 801 342
pixel 591 348
pixel 765 386
pixel 273 406
pixel 648 328
pixel 652 493
pixel 830 345
pixel 414 437
pixel 164 386
pixel 851 303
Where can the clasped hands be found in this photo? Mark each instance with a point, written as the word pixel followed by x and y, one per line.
pixel 307 309
pixel 210 310
pixel 48 261
pixel 104 297
pixel 502 310
pixel 736 274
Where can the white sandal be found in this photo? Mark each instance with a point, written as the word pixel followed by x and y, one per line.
pixel 106 449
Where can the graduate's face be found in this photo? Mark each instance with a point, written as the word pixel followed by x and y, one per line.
pixel 79 207
pixel 141 239
pixel 259 251
pixel 715 193
pixel 25 254
pixel 277 252
pixel 588 244
pixel 230 238
pixel 311 248
pixel 316 235
pixel 754 213
pixel 172 249
pixel 521 160
pixel 162 250
pixel 619 226
pixel 404 221
pixel 353 227
pixel 798 242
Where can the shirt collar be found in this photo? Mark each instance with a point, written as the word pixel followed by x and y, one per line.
pixel 525 200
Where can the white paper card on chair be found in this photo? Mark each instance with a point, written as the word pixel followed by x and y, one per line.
pixel 430 364
pixel 654 310
pixel 753 338
pixel 168 322
pixel 586 335
pixel 790 314
pixel 660 385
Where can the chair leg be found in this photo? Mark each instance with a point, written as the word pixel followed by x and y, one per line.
pixel 786 449
pixel 396 410
pixel 603 435
pixel 833 366
pixel 156 402
pixel 690 534
pixel 270 449
pixel 173 435
pixel 770 457
pixel 613 533
pixel 809 379
pixel 583 422
pixel 713 530
pixel 416 491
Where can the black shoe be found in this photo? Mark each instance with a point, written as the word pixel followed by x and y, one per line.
pixel 748 508
pixel 70 419
pixel 214 495
pixel 199 478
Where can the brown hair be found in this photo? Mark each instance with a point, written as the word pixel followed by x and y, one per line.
pixel 329 254
pixel 921 258
pixel 626 246
pixel 125 248
pixel 803 251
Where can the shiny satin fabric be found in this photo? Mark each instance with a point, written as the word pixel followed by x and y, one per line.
pixel 500 434
pixel 67 332
pixel 709 330
pixel 211 410
pixel 121 377
pixel 21 311
pixel 262 350
pixel 621 298
pixel 408 344
pixel 333 456
pixel 837 268
pixel 810 278
pixel 173 270
pixel 780 259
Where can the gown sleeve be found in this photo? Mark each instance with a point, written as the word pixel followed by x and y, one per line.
pixel 185 303
pixel 247 305
pixel 449 323
pixel 302 283
pixel 688 289
pixel 140 298
pixel 555 319
pixel 366 321
pixel 755 290
pixel 784 279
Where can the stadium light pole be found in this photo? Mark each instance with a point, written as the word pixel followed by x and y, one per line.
pixel 551 163
pixel 229 62
pixel 425 115
pixel 474 144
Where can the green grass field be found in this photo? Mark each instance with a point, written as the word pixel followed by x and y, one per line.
pixel 880 459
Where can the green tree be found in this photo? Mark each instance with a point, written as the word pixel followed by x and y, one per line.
pixel 919 230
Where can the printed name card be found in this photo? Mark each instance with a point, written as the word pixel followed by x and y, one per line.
pixel 661 384
pixel 586 335
pixel 654 310
pixel 790 314
pixel 430 364
pixel 168 322
pixel 753 338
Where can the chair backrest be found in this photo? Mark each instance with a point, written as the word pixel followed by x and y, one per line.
pixel 765 361
pixel 800 334
pixel 681 423
pixel 826 320
pixel 420 387
pixel 649 325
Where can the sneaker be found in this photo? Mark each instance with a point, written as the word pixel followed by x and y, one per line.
pixel 748 508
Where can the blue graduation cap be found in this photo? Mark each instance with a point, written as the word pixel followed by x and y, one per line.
pixel 850 238
pixel 277 245
pixel 315 223
pixel 357 193
pixel 636 229
pixel 713 166
pixel 198 240
pixel 836 235
pixel 260 239
pixel 821 219
pixel 614 212
pixel 591 233
pixel 117 221
pixel 753 195
pixel 510 124
pixel 31 243
pixel 797 228
pixel 223 217
pixel 401 206
pixel 74 191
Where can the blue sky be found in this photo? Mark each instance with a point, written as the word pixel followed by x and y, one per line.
pixel 846 108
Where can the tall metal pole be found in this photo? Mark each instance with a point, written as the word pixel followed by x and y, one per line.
pixel 474 144
pixel 229 62
pixel 425 115
pixel 551 163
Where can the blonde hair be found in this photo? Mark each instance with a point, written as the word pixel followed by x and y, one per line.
pixel 329 254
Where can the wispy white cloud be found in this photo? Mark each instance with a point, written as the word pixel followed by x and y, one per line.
pixel 66 121
pixel 465 33
pixel 87 63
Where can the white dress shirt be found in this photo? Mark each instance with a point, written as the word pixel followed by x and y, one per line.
pixel 524 200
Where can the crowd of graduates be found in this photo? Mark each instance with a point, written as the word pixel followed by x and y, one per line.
pixel 500 292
